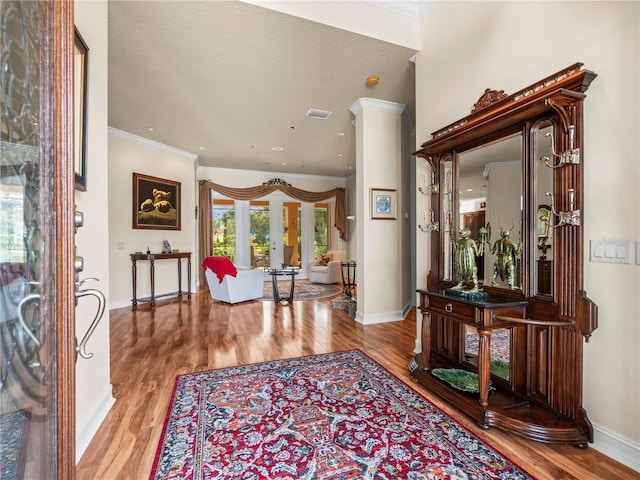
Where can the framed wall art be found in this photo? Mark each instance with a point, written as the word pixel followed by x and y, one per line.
pixel 80 70
pixel 383 204
pixel 156 203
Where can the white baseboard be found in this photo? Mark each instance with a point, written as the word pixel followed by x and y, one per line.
pixel 383 317
pixel 618 448
pixel 84 437
pixel 113 304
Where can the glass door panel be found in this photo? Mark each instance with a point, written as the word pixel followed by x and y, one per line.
pixel 260 234
pixel 292 238
pixel 321 228
pixel 33 366
pixel 224 229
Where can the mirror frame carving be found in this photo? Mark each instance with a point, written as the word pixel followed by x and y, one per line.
pixel 546 340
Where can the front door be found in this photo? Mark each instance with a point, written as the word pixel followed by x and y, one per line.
pixel 37 348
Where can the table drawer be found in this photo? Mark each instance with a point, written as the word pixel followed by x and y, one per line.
pixel 452 308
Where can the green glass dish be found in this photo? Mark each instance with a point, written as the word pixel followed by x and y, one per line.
pixel 459 379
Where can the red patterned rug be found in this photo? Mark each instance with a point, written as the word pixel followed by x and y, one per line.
pixel 332 416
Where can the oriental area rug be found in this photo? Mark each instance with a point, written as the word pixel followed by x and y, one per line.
pixel 331 416
pixel 302 290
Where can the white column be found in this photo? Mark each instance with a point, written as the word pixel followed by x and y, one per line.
pixel 379 273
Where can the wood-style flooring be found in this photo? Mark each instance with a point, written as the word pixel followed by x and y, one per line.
pixel 150 347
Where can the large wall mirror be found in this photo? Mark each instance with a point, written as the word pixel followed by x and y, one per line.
pixel 542 133
pixel 490 197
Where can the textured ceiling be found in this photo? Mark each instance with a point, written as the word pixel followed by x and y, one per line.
pixel 234 78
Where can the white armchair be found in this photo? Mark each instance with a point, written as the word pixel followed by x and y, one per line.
pixel 248 284
pixel 329 273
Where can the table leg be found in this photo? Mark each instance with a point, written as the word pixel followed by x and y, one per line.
pixel 134 280
pixel 426 341
pixel 484 365
pixel 189 277
pixel 153 281
pixel 179 277
pixel 276 293
pixel 293 282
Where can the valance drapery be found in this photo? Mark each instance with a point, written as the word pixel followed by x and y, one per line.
pixel 252 193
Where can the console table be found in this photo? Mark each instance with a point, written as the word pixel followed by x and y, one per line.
pixel 151 258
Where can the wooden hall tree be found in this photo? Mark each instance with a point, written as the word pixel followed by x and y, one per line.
pixel 540 395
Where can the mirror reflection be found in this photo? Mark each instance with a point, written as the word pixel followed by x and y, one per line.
pixel 544 235
pixel 446 191
pixel 490 206
pixel 500 351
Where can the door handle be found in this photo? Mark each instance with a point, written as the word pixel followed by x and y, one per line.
pixel 89 292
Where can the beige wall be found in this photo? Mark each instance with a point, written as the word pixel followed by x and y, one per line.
pixel 467 47
pixel 93 387
pixel 128 154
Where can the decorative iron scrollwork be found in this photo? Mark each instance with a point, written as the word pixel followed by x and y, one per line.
pixel 276 182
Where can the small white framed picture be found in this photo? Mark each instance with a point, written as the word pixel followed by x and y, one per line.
pixel 383 204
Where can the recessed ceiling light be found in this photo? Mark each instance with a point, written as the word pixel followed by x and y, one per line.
pixel 203 148
pixel 349 168
pixel 277 149
pixel 340 154
pixel 283 163
pixel 253 146
pixel 469 189
pixel 151 129
pixel 341 134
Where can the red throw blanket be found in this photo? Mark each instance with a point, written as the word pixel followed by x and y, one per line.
pixel 221 266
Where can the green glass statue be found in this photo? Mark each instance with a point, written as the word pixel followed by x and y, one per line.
pixel 507 252
pixel 465 251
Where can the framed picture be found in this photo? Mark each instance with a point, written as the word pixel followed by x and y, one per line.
pixel 383 204
pixel 80 69
pixel 156 203
pixel 544 219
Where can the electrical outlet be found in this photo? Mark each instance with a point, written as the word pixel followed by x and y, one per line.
pixel 120 245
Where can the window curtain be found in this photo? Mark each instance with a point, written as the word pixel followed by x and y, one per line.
pixel 205 239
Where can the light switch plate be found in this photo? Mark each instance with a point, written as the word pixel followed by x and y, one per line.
pixel 611 251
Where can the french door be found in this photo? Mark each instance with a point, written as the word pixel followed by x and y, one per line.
pixel 270 232
pixel 37 347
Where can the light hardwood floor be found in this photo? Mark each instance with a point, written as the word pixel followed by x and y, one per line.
pixel 150 347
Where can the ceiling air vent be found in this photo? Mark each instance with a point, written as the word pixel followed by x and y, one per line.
pixel 315 113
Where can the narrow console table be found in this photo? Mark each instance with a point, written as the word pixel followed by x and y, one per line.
pixel 151 258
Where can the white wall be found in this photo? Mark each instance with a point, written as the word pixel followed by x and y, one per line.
pixel 128 154
pixel 93 387
pixel 467 47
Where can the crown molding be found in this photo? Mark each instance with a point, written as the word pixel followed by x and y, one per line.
pixel 366 103
pixel 411 8
pixel 152 143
